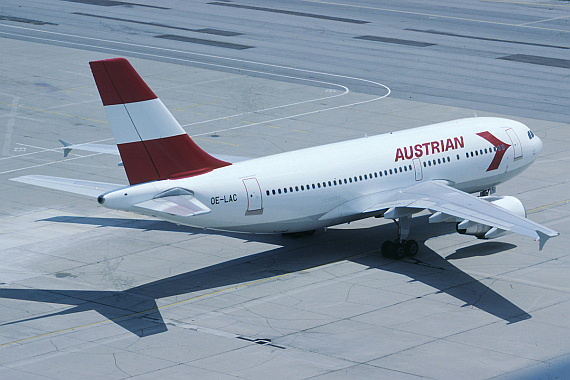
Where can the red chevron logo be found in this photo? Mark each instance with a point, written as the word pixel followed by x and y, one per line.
pixel 500 149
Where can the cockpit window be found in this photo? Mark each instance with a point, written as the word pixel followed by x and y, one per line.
pixel 530 134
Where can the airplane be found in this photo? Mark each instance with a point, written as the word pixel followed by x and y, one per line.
pixel 450 169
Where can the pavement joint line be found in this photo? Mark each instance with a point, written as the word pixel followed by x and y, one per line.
pixel 53 112
pixel 347 90
pixel 49 163
pixel 288 117
pixel 525 3
pixel 549 205
pixel 236 287
pixel 10 127
pixel 193 105
pixel 210 64
pixel 545 20
pixel 217 142
pixel 446 17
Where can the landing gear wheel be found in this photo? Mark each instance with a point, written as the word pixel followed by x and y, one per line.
pixel 411 248
pixel 399 251
pixel 387 249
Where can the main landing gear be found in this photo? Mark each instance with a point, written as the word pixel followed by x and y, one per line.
pixel 400 248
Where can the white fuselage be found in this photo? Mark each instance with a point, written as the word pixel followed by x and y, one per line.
pixel 300 190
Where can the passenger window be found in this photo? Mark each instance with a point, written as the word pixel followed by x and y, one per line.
pixel 296 188
pixel 365 177
pixel 334 182
pixel 319 185
pixel 355 179
pixel 273 191
pixel 314 186
pixel 302 188
pixel 410 166
pixel 350 180
pixel 390 171
pixel 467 154
pixel 376 175
pixel 345 180
pixel 330 184
pixel 360 177
pixel 457 157
pixel 267 192
pixel 285 190
pixel 405 168
pixel 438 161
pixel 425 164
pixel 386 172
pixel 279 191
pixel 429 163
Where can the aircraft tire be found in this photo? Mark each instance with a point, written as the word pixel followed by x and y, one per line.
pixel 399 251
pixel 388 248
pixel 412 248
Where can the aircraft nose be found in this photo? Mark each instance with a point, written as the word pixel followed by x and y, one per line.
pixel 536 146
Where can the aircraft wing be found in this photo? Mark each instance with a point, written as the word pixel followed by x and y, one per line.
pixel 448 202
pixel 112 149
pixel 76 186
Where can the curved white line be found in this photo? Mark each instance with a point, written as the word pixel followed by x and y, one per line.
pixel 346 89
pixel 192 53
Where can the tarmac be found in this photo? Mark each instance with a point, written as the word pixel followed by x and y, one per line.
pixel 86 292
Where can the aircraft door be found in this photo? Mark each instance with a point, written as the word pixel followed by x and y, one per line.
pixel 418 169
pixel 516 143
pixel 253 191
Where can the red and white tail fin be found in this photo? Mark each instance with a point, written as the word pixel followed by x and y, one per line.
pixel 152 144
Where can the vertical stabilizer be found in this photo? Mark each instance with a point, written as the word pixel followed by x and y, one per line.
pixel 153 146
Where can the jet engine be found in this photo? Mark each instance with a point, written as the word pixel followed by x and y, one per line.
pixel 482 231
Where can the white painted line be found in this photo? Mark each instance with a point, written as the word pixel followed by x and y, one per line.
pixel 346 89
pixel 48 163
pixel 545 20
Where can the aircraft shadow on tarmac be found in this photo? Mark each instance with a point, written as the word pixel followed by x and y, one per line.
pixel 136 310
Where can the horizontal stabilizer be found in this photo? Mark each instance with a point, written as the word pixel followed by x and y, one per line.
pixel 180 205
pixel 112 149
pixel 89 147
pixel 76 186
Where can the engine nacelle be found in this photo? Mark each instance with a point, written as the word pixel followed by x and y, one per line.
pixel 482 231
